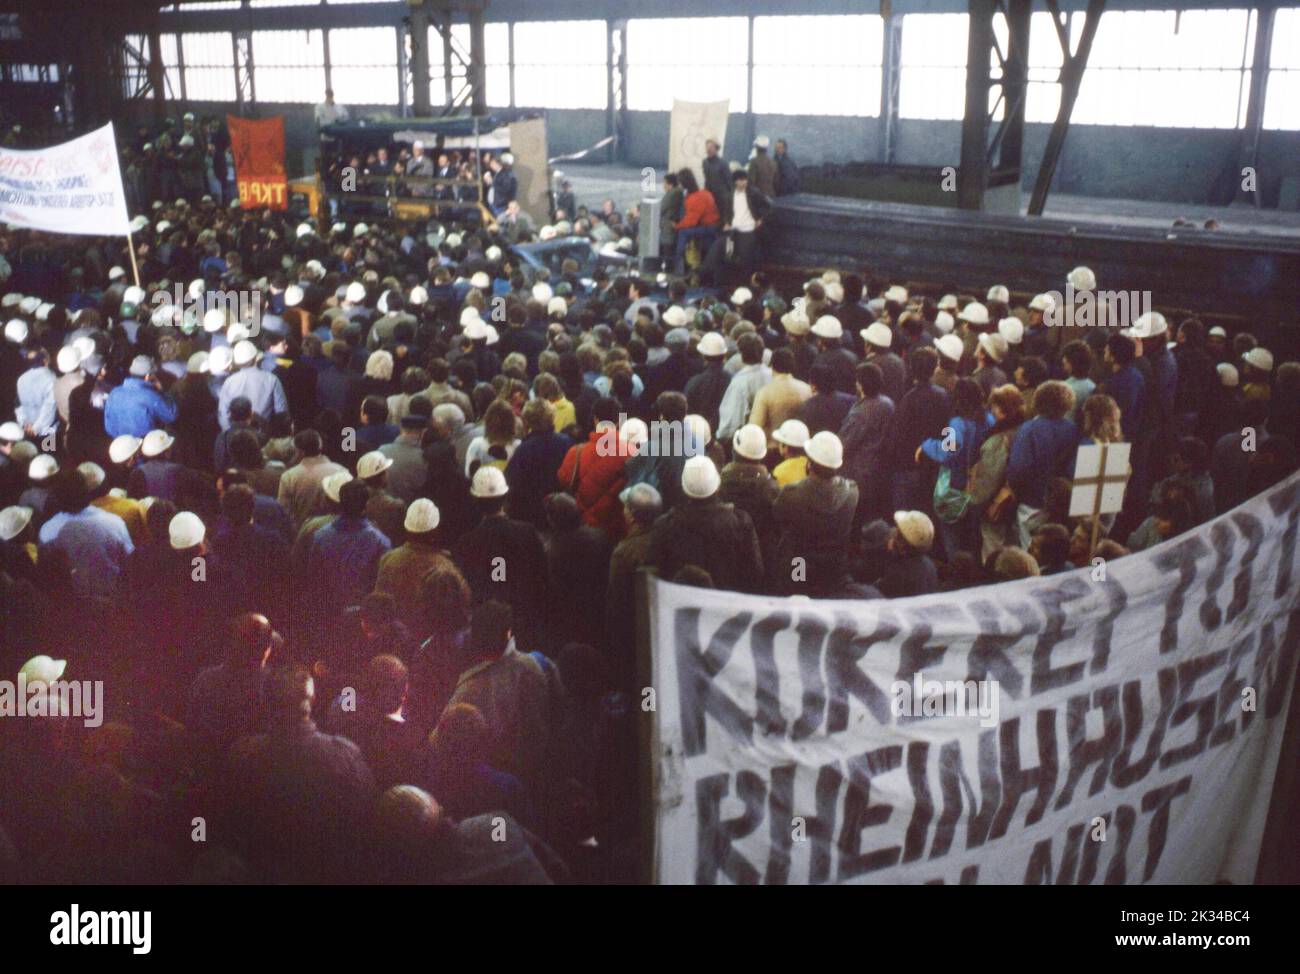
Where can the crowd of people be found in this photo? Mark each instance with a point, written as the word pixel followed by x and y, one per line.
pixel 357 555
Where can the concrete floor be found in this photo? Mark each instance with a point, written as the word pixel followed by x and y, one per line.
pixel 592 184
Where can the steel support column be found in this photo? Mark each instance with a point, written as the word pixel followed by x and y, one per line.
pixel 891 57
pixel 972 178
pixel 477 64
pixel 1071 79
pixel 1254 128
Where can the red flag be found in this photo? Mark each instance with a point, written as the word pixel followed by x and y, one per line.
pixel 258 147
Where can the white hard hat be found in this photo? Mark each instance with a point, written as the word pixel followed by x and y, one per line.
pixel 92 474
pixel 1042 302
pixel 1082 279
pixel 418 295
pixel 244 353
pixel 741 295
pixel 896 294
pixel 220 360
pixel 948 302
pixel 1012 329
pixel 796 322
pixel 700 478
pixel 293 295
pixel 42 467
pixel 475 330
pixel 356 292
pixel 634 432
pixel 877 333
pixel 792 432
pixel 13 520
pixel 834 292
pixel 163 226
pixel 236 333
pixel 123 448
pixel 361 229
pixel 712 345
pixel 1218 331
pixel 29 304
pixel 916 528
pixel 422 516
pixel 11 300
pixel 43 310
pixel 85 345
pixel 214 320
pixel 186 531
pixel 750 442
pixel 480 280
pixel 334 483
pixel 975 314
pixel 507 159
pixel 999 293
pixel 825 450
pixel 489 482
pixel 944 322
pixel 139 223
pixel 1228 375
pixel 453 240
pixel 304 229
pixel 1260 358
pixel 557 306
pixel 950 347
pixel 156 442
pixel 16 331
pixel 68 359
pixel 1150 325
pixel 372 464
pixel 493 253
pixel 187 141
pixel 699 427
pixel 43 669
pixel 11 432
pixel 197 363
pixel 994 345
pixel 542 291
pixel 762 142
pixel 828 326
pixel 675 317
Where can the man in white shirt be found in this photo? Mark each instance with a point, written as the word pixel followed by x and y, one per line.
pixel 748 208
pixel 329 113
pixel 263 389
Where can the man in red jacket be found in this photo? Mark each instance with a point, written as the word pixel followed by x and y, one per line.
pixel 593 471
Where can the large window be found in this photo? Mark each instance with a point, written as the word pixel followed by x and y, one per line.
pixel 842 79
pixel 1145 68
pixel 363 65
pixel 209 67
pixel 932 66
pixel 1282 102
pixel 696 59
pixel 171 66
pixel 1158 67
pixel 289 65
pixel 562 64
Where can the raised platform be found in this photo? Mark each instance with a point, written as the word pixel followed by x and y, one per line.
pixel 1231 272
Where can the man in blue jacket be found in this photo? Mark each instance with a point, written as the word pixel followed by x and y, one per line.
pixel 1043 448
pixel 138 404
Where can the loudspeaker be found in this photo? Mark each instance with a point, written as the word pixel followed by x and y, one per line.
pixel 647 241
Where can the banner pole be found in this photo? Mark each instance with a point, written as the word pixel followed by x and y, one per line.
pixel 130 249
pixel 1096 503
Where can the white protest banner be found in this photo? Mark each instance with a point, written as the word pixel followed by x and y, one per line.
pixel 692 124
pixel 1122 722
pixel 74 187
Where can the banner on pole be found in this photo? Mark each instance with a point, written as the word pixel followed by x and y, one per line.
pixel 1119 723
pixel 257 145
pixel 74 187
pixel 691 125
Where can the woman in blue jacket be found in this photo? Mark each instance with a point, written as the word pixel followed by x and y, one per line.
pixel 956 451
